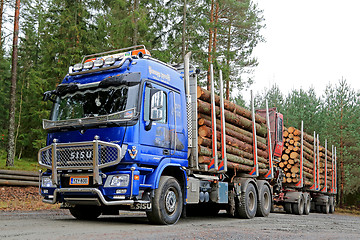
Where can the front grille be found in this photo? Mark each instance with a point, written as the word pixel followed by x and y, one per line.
pixel 80 155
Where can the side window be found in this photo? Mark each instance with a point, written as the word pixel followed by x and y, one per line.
pixel 147 106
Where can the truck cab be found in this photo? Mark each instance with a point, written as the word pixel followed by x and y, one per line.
pixel 117 137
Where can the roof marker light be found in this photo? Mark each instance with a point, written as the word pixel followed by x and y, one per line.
pixel 99 62
pixel 78 67
pixel 88 65
pixel 109 61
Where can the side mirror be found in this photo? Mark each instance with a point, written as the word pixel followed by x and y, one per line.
pixel 48 95
pixel 156 104
pixel 155 107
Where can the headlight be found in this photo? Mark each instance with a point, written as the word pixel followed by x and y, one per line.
pixel 46 182
pixel 120 181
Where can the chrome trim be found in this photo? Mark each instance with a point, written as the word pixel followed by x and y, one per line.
pixel 94 191
pixel 95 165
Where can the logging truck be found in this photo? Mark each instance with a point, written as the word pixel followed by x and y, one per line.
pixel 129 132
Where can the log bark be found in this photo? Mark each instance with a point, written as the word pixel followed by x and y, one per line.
pixel 233 133
pixel 234 128
pixel 205 95
pixel 206 132
pixel 244 168
pixel 204 107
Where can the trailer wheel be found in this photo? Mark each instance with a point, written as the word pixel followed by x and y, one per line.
pixel 318 208
pixel 167 202
pixel 264 201
pixel 85 212
pixel 298 208
pixel 287 208
pixel 307 206
pixel 325 208
pixel 246 208
pixel 332 205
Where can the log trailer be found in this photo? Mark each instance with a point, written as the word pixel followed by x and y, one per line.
pixel 129 132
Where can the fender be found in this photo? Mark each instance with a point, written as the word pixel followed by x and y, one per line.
pixel 244 183
pixel 292 197
pixel 153 179
pixel 260 183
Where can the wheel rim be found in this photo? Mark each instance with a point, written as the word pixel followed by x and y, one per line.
pixel 251 201
pixel 170 201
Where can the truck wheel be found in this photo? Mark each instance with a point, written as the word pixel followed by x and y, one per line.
pixel 167 202
pixel 325 208
pixel 287 208
pixel 332 205
pixel 85 212
pixel 307 204
pixel 246 208
pixel 264 201
pixel 298 208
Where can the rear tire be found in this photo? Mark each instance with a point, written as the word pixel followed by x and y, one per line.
pixel 298 208
pixel 307 206
pixel 325 208
pixel 264 201
pixel 287 208
pixel 167 203
pixel 85 212
pixel 246 208
pixel 332 205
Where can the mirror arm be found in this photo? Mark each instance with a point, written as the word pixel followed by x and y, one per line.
pixel 148 127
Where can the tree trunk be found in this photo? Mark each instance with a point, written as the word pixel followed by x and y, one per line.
pixel 1 18
pixel 11 130
pixel 183 41
pixel 210 44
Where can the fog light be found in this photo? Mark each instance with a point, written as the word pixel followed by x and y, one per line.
pixel 120 191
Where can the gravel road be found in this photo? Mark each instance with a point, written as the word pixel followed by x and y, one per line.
pixel 58 224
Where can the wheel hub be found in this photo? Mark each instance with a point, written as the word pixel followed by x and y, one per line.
pixel 170 201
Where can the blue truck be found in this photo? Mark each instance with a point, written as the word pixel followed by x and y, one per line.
pixel 123 135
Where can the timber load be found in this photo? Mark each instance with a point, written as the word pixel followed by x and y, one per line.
pixel 238 134
pixel 317 161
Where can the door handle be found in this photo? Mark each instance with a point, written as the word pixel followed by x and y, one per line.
pixel 166 152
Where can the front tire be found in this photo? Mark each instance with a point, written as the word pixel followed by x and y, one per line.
pixel 247 206
pixel 85 212
pixel 167 203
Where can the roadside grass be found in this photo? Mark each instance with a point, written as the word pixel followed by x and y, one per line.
pixel 24 164
pixel 348 210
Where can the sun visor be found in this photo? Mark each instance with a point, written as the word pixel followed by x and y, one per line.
pixel 128 79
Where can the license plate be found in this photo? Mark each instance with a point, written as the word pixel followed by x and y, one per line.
pixel 79 180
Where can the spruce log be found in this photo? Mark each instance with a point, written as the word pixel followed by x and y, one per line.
pixel 233 133
pixel 205 107
pixel 207 132
pixel 244 168
pixel 234 128
pixel 205 95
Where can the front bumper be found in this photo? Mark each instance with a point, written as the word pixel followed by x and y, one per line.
pixel 99 198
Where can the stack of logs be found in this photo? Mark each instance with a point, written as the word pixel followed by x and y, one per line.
pixel 290 159
pixel 239 137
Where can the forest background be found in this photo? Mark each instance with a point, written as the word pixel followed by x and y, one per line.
pixel 55 34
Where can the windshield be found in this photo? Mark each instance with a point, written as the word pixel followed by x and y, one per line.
pixel 94 103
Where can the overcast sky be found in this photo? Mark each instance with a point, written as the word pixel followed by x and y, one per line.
pixel 309 43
